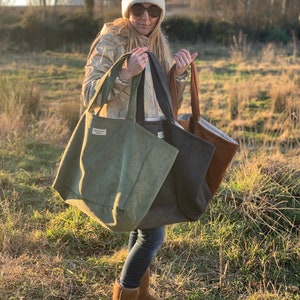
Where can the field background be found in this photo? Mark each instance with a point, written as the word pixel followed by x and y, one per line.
pixel 246 246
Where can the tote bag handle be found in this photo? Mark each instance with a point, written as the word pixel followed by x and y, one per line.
pixel 161 88
pixel 105 84
pixel 194 92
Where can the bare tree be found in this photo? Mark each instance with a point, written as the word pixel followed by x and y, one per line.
pixel 89 6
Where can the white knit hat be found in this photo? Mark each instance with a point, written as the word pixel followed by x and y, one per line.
pixel 126 4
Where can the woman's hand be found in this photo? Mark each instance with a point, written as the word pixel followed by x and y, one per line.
pixel 183 59
pixel 135 64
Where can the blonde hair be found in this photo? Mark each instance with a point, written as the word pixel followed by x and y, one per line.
pixel 130 39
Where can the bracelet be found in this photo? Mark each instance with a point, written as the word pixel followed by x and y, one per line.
pixel 183 77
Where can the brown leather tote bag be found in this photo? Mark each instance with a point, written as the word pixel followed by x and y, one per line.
pixel 225 146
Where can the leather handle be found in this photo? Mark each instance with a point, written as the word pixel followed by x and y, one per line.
pixel 193 91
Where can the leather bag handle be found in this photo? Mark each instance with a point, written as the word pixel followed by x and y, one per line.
pixel 193 90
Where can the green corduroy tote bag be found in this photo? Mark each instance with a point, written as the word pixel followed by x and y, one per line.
pixel 112 169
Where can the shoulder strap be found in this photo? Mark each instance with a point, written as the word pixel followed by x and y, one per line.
pixel 193 88
pixel 140 107
pixel 161 87
pixel 105 85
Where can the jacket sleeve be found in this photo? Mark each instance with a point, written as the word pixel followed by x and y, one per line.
pixel 102 57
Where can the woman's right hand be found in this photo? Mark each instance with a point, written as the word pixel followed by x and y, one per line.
pixel 135 64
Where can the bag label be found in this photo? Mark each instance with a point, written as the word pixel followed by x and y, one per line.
pixel 98 131
pixel 160 134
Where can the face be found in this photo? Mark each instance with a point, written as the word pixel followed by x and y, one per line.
pixel 144 17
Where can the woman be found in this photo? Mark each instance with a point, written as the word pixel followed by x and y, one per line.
pixel 137 32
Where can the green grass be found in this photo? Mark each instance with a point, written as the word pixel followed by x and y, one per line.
pixel 246 246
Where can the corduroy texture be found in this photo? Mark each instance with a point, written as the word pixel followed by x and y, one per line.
pixel 107 181
pixel 180 198
pixel 126 4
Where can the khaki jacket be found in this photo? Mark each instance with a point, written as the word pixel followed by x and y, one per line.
pixel 107 50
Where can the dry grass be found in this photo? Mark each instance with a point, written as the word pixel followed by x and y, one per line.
pixel 244 247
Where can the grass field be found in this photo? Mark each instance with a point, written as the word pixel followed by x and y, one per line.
pixel 246 246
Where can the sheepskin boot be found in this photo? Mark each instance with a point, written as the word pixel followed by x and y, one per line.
pixel 144 288
pixel 121 293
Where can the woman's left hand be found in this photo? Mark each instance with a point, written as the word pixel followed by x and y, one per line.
pixel 183 59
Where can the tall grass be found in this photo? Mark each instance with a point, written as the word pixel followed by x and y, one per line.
pixel 19 95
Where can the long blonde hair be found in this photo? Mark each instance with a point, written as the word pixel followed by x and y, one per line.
pixel 130 39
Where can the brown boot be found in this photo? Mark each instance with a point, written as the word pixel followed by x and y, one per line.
pixel 121 293
pixel 144 288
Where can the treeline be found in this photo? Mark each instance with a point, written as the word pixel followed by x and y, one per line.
pixel 262 20
pixel 41 28
pixel 260 13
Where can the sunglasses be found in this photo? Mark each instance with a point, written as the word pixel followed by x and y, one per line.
pixel 138 9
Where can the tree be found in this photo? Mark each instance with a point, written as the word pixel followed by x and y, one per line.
pixel 89 7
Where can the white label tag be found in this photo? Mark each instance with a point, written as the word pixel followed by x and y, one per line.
pixel 98 131
pixel 160 134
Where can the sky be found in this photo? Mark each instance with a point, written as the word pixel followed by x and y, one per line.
pixel 19 2
pixel 14 2
pixel 23 2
